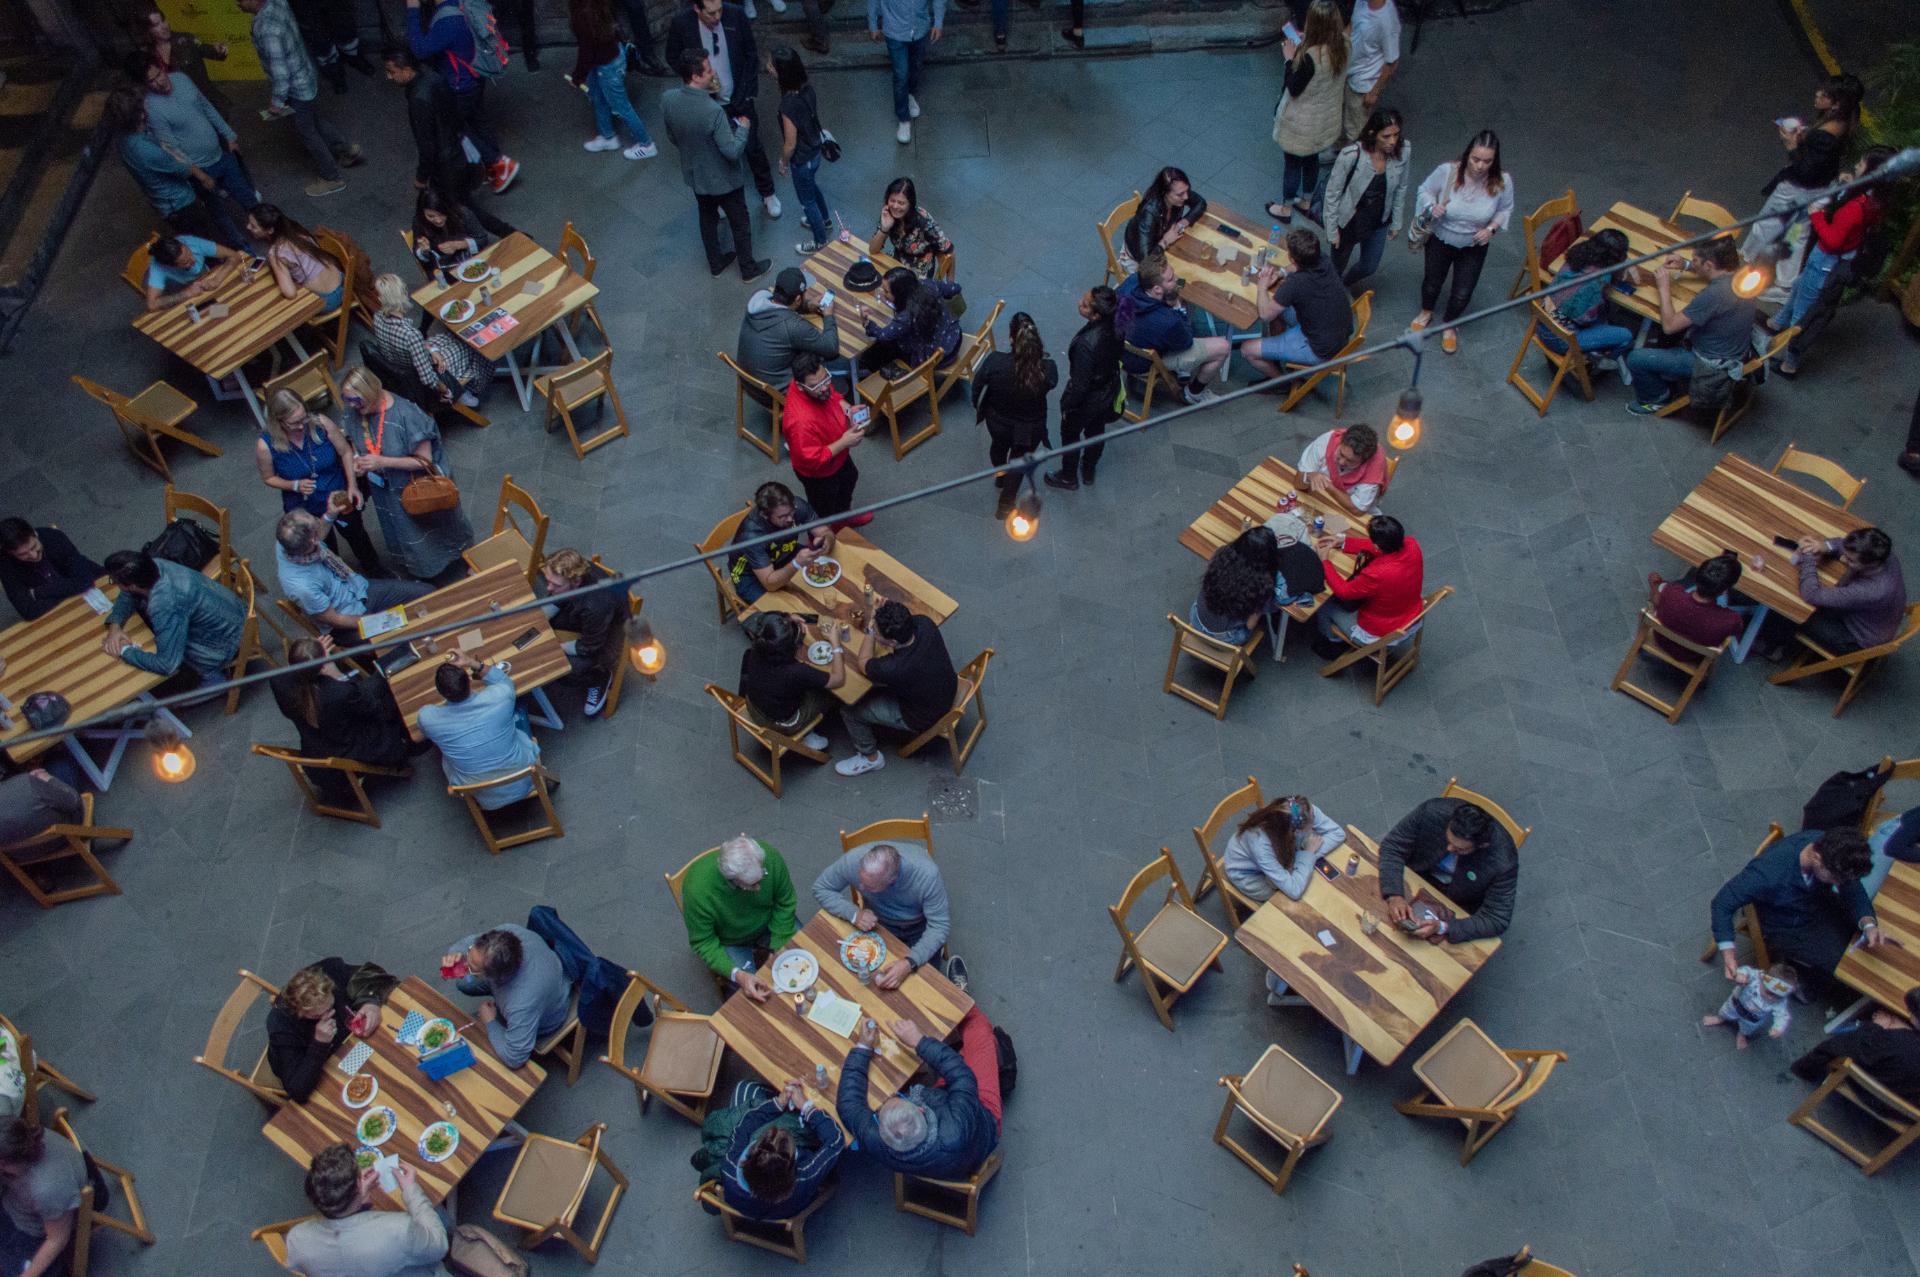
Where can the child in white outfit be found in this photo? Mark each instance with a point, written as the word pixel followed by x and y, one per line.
pixel 1759 999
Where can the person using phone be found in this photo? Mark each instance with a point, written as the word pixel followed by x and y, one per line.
pixel 313 1015
pixel 822 433
pixel 597 620
pixel 1277 846
pixel 755 569
pixel 1465 852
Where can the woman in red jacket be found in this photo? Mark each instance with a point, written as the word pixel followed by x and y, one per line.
pixel 1383 593
pixel 820 435
pixel 1837 233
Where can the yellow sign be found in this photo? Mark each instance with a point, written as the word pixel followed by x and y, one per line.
pixel 218 22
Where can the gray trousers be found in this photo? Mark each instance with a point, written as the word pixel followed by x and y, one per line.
pixel 875 709
pixel 324 144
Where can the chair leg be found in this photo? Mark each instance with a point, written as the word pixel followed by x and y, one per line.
pixel 54 1077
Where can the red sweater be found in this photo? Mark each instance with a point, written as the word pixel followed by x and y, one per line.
pixel 1848 226
pixel 810 427
pixel 1387 589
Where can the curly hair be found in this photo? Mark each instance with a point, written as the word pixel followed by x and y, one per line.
pixel 333 1181
pixel 1239 579
pixel 309 994
pixel 1029 355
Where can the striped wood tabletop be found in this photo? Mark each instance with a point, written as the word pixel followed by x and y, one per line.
pixel 1381 990
pixel 485 1098
pixel 520 262
pixel 259 316
pixel 1885 974
pixel 1741 507
pixel 827 269
pixel 861 564
pixel 1213 285
pixel 1255 498
pixel 536 665
pixel 777 1043
pixel 1647 233
pixel 61 652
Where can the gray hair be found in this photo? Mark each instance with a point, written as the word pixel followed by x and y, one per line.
pixel 903 1127
pixel 296 531
pixel 741 857
pixel 393 295
pixel 882 861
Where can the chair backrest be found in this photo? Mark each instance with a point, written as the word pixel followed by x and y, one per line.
pixel 1242 800
pixel 721 536
pixel 1907 769
pixel 1432 601
pixel 274 1236
pixel 1650 628
pixel 1702 210
pixel 310 379
pixel 1161 866
pixel 971 676
pixel 1797 461
pixel 572 245
pixel 638 989
pixel 943 267
pixel 1111 225
pixel 1560 329
pixel 776 395
pixel 1393 468
pixel 1558 207
pixel 973 352
pixel 1513 827
pixel 1362 317
pixel 113 399
pixel 178 502
pixel 905 828
pixel 896 391
pixel 679 876
pixel 137 262
pixel 1288 1096
pixel 226 1024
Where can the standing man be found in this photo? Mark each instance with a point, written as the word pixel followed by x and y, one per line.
pixel 185 123
pixel 720 32
pixel 433 115
pixel 446 40
pixel 821 436
pixel 293 89
pixel 181 193
pixel 1375 37
pixel 908 27
pixel 333 39
pixel 710 146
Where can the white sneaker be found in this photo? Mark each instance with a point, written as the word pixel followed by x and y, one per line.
pixel 1203 395
pixel 641 151
pixel 814 740
pixel 469 399
pixel 904 133
pixel 601 144
pixel 773 205
pixel 860 764
pixel 913 107
pixel 750 10
pixel 779 6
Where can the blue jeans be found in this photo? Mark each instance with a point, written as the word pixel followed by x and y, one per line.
pixel 1813 277
pixel 741 955
pixel 1299 175
pixel 1609 340
pixel 1336 620
pixel 807 192
pixel 907 56
pixel 1657 370
pixel 607 90
pixel 1235 635
pixel 231 176
pixel 1372 249
pixel 1289 347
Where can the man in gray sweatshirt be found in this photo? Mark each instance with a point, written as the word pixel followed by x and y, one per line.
pixel 531 996
pixel 901 889
pixel 775 329
pixel 184 122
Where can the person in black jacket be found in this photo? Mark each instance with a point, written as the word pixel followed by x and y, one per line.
pixel 597 619
pixel 39 567
pixel 433 114
pixel 712 27
pixel 1887 1047
pixel 1814 155
pixel 1169 207
pixel 1010 399
pixel 1093 388
pixel 1462 850
pixel 338 716
pixel 319 1008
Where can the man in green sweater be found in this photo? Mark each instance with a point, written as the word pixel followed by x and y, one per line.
pixel 734 902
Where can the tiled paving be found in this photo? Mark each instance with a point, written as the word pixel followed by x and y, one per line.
pixel 1656 1150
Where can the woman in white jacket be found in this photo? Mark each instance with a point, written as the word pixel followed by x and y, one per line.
pixel 1367 194
pixel 1276 847
pixel 1468 201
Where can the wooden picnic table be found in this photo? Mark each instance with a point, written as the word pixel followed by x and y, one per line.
pixel 1741 507
pixel 778 1043
pixel 1646 233
pixel 1255 497
pixel 473 598
pixel 1210 260
pixel 483 1098
pixel 1381 990
pixel 862 564
pixel 558 292
pixel 257 317
pixel 826 272
pixel 1886 973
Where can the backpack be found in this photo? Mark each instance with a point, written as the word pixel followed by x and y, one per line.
pixel 600 981
pixel 1009 1063
pixel 1506 1266
pixel 1559 238
pixel 1841 801
pixel 489 46
pixel 186 542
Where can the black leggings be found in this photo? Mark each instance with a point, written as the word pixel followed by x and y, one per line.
pixel 1465 264
pixel 1003 450
pixel 1913 431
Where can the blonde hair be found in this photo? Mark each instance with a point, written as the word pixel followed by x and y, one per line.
pixel 392 293
pixel 569 563
pixel 280 405
pixel 362 382
pixel 309 994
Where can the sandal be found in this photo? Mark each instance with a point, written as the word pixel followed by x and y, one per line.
pixel 1280 211
pixel 1449 342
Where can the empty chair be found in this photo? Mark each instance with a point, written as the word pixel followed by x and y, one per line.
pixel 953 1202
pixel 968 694
pixel 1702 210
pixel 260 1079
pixel 1235 805
pixel 1176 946
pixel 1570 361
pixel 1849 1082
pixel 1467 1077
pixel 349 770
pixel 891 396
pixel 1230 659
pixel 1106 228
pixel 549 826
pixel 547 1188
pixel 93 1216
pixel 777 743
pixel 147 418
pixel 1362 317
pixel 63 841
pixel 1795 460
pixel 1287 1101
pixel 519 534
pixel 785 1237
pixel 1394 655
pixel 581 261
pixel 582 383
pixel 681 1063
pixel 1655 641
pixel 772 398
pixel 312 380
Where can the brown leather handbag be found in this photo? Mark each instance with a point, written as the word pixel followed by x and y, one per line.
pixel 430 493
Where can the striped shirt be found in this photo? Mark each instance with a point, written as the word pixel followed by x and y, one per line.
pixel 283 55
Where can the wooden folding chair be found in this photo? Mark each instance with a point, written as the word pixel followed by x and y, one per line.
pixel 731 606
pixel 1746 922
pixel 349 770
pixel 614 688
pixel 90 1220
pixel 1175 948
pixel 778 744
pixel 568 1043
pixel 773 399
pixel 974 349
pixel 1856 665
pixel 548 1184
pixel 260 1079
pixel 1533 272
pixel 549 827
pixel 1394 655
pixel 1156 375
pixel 581 261
pixel 135 271
pixel 1288 1101
pixel 1111 225
pixel 1362 317
pixel 677 879
pixel 147 418
pixel 1515 830
pixel 915 829
pixel 1232 660
pixel 274 1236
pixel 953 1202
pixel 334 326
pixel 1468 1078
pixel 311 379
pixel 511 542
pixel 64 841
pixel 972 678
pixel 39 1073
pixel 406 240
pixel 240 579
pixel 1907 769
pixel 681 1063
pixel 1847 1081
pixel 178 503
pixel 1740 395
pixel 889 396
pixel 583 382
pixel 1795 460
pixel 786 1237
pixel 1655 640
pixel 1572 360
pixel 944 267
pixel 1240 906
pixel 1702 210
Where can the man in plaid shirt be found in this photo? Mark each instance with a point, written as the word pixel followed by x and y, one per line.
pixel 294 89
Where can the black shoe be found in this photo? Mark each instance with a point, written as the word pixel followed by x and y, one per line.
pixel 1086 472
pixel 553 785
pixel 533 59
pixel 956 971
pixel 725 261
pixel 750 271
pixel 818 44
pixel 999 43
pixel 1003 506
pixel 1910 462
pixel 1078 41
pixel 1328 650
pixel 1062 479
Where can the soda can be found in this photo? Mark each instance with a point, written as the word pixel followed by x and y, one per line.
pixel 1353 864
pixel 1319 524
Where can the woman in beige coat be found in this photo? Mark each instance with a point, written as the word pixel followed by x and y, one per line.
pixel 1307 121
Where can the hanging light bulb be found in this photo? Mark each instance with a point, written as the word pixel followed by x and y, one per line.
pixel 173 762
pixel 1752 279
pixel 1404 430
pixel 646 653
pixel 1024 521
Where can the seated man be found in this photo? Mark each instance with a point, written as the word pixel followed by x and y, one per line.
pixel 321 584
pixel 354 1240
pixel 775 329
pixel 32 800
pixel 913 684
pixel 1695 611
pixel 196 621
pixel 1469 855
pixel 39 567
pixel 1806 892
pixel 1312 303
pixel 177 269
pixel 1887 1047
pixel 598 619
pixel 530 994
pixel 42 1176
pixel 1383 593
pixel 767 1174
pixel 900 888
pixel 1345 465
pixel 1718 324
pixel 1151 318
pixel 1866 607
pixel 936 1132
pixel 757 569
pixel 735 902
pixel 480 733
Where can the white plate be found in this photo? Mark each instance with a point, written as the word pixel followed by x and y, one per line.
pixel 472 271
pixel 371 1095
pixel 820 652
pixel 428 1027
pixel 821 585
pixel 457 311
pixel 451 1149
pixel 795 971
pixel 359 1131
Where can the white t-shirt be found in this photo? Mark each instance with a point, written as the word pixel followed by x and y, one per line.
pixel 1376 42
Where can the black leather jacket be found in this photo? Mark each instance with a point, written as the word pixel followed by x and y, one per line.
pixel 1093 374
pixel 1152 218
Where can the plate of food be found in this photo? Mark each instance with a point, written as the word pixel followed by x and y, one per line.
pixel 376 1126
pixel 821 573
pixel 795 971
pixel 473 270
pixel 436 1034
pixel 438 1141
pixel 457 311
pixel 820 652
pixel 364 1158
pixel 359 1090
pixel 863 952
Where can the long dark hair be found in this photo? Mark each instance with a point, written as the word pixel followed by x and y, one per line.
pixel 1029 355
pixel 305 695
pixel 774 636
pixel 434 200
pixel 1240 577
pixel 788 69
pixel 1105 305
pixel 1279 820
pixel 1156 199
pixel 1847 93
pixel 1491 140
pixel 921 311
pixel 280 228
pixel 904 186
pixel 1597 252
pixel 1382 119
pixel 592 20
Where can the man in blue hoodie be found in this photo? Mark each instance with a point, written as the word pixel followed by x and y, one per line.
pixel 446 41
pixel 936 1132
pixel 1152 318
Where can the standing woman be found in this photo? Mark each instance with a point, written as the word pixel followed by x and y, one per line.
pixel 398 442
pixel 1307 121
pixel 1010 398
pixel 1813 163
pixel 1367 194
pixel 1092 395
pixel 303 455
pixel 600 67
pixel 1168 208
pixel 1470 200
pixel 908 231
pixel 800 153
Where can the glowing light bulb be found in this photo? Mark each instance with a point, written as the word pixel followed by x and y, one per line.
pixel 1024 521
pixel 1404 430
pixel 174 764
pixel 645 652
pixel 1751 280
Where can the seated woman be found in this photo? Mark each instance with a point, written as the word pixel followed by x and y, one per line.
pixel 338 714
pixel 1169 207
pixel 1239 587
pixel 444 233
pixel 444 364
pixel 782 687
pixel 296 258
pixel 921 322
pixel 770 1172
pixel 1276 846
pixel 318 1009
pixel 43 1177
pixel 1583 307
pixel 908 232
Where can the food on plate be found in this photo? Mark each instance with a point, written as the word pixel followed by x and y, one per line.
pixel 863 951
pixel 436 1035
pixel 360 1088
pixel 439 1140
pixel 822 572
pixel 364 1158
pixel 373 1125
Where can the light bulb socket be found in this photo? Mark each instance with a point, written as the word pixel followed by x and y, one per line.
pixel 1404 430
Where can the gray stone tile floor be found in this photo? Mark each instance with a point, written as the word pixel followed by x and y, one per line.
pixel 1655 1150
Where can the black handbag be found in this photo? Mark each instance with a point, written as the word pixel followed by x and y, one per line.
pixel 184 542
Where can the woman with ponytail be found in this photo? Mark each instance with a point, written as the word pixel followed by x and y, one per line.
pixel 1010 399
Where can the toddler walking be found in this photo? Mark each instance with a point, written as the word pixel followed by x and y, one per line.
pixel 1759 999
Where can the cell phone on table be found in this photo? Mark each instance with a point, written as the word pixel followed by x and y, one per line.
pixel 1327 871
pixel 520 643
pixel 1229 232
pixel 1786 543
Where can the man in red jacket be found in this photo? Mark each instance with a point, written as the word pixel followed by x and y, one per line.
pixel 820 434
pixel 1383 593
